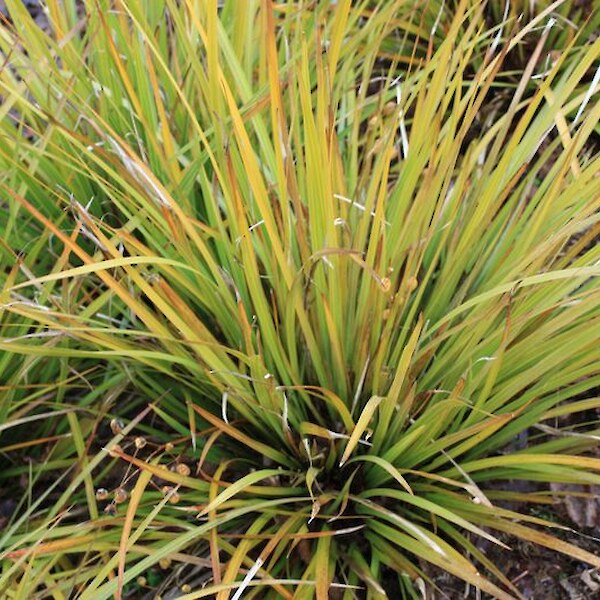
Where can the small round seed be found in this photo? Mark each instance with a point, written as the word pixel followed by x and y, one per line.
pixel 140 442
pixel 169 447
pixel 164 563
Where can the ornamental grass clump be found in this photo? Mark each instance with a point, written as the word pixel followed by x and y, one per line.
pixel 282 315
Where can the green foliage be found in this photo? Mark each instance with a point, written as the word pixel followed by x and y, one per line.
pixel 317 299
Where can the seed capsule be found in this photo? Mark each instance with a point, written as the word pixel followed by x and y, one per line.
pixel 164 563
pixel 140 442
pixel 101 494
pixel 390 108
pixel 171 493
pixel 183 469
pixel 120 495
pixel 186 588
pixel 116 426
pixel 169 447
pixel 412 283
pixel 115 451
pixel 374 121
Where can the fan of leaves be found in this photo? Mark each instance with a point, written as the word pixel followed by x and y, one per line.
pixel 317 308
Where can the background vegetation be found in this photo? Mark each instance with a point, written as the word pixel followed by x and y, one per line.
pixel 294 294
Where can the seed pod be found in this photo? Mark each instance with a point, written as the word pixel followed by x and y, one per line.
pixel 412 283
pixel 390 108
pixel 140 442
pixel 120 495
pixel 116 426
pixel 141 581
pixel 169 447
pixel 101 494
pixel 186 588
pixel 183 469
pixel 110 509
pixel 115 450
pixel 171 494
pixel 164 563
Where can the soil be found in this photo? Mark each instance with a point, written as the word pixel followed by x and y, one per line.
pixel 538 573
